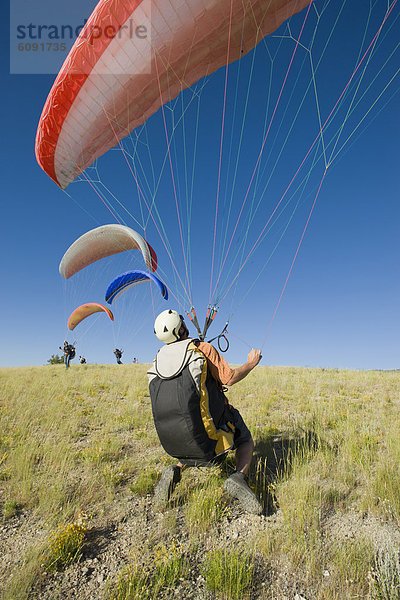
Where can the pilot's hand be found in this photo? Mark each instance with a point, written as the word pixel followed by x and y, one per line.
pixel 254 357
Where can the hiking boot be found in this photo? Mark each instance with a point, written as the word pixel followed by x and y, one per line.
pixel 236 485
pixel 169 478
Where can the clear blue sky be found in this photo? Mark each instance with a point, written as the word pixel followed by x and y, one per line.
pixel 341 305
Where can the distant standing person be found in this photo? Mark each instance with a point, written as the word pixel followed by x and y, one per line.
pixel 69 353
pixel 118 355
pixel 135 361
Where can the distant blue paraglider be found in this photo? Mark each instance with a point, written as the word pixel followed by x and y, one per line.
pixel 126 280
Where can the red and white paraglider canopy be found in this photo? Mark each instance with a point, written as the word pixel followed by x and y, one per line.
pixel 133 56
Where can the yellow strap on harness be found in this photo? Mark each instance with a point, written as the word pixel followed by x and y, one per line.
pixel 223 438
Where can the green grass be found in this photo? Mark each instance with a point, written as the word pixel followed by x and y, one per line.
pixel 228 573
pixel 327 452
pixel 170 566
pixel 205 506
pixel 145 481
pixel 166 567
pixel 132 584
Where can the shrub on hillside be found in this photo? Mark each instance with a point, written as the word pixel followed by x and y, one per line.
pixel 55 360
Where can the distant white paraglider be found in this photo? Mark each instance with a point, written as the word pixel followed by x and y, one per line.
pixel 101 242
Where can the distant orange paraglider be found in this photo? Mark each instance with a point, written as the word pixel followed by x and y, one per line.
pixel 84 311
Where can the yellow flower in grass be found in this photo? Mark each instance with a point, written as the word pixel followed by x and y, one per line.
pixel 66 543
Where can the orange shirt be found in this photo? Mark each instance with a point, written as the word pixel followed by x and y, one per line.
pixel 219 368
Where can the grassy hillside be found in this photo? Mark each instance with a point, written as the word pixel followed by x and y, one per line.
pixel 79 459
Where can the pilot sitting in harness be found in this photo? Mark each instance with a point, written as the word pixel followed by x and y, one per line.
pixel 194 421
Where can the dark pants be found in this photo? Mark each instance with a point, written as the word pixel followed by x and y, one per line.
pixel 242 432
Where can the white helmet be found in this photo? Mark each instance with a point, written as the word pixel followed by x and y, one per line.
pixel 167 325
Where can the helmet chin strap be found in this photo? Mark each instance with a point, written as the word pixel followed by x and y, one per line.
pixel 185 333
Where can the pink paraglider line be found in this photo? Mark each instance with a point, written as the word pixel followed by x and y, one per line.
pixel 99 195
pixel 173 179
pixel 239 338
pixel 220 152
pixel 310 149
pixel 145 201
pixel 323 177
pixel 262 149
pixel 294 258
